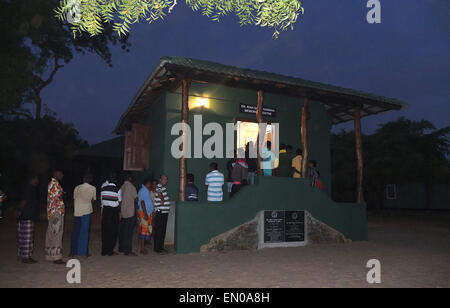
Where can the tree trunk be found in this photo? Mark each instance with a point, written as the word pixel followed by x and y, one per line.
pixel 184 119
pixel 429 195
pixel 259 120
pixel 304 134
pixel 37 91
pixel 38 102
pixel 359 156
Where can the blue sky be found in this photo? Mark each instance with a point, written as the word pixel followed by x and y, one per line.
pixel 407 57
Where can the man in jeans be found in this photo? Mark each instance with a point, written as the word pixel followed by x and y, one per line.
pixel 162 207
pixel 127 216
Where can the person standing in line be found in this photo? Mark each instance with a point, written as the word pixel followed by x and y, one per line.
pixel 55 215
pixel 267 159
pixel 83 196
pixel 110 199
pixel 312 174
pixel 162 208
pixel 229 165
pixel 2 199
pixel 127 216
pixel 214 180
pixel 145 215
pixel 252 162
pixel 26 217
pixel 154 184
pixel 297 164
pixel 191 188
pixel 239 174
pixel 285 165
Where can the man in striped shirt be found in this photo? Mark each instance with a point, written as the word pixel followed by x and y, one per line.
pixel 214 180
pixel 162 208
pixel 111 198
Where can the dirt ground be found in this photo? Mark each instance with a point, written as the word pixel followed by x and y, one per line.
pixel 414 251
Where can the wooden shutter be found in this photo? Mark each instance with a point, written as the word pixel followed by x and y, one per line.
pixel 137 148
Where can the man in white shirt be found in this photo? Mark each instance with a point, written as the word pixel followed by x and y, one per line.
pixel 83 196
pixel 214 180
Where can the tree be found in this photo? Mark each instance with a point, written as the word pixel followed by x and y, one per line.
pixel 403 151
pixel 91 16
pixel 31 146
pixel 35 47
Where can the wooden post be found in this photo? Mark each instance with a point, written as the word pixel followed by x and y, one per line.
pixel 304 133
pixel 359 156
pixel 184 119
pixel 259 109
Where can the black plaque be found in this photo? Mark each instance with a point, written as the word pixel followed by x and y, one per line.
pixel 251 109
pixel 294 226
pixel 273 226
pixel 284 226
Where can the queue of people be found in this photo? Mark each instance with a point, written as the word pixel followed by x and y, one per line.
pixel 121 209
pixel 124 207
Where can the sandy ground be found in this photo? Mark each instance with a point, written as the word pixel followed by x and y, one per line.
pixel 414 251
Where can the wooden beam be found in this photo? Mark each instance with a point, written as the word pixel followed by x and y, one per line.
pixel 259 109
pixel 359 156
pixel 184 119
pixel 304 134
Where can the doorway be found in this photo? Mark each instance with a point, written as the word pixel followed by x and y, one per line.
pixel 247 131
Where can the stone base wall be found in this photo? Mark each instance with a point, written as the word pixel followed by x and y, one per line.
pixel 321 233
pixel 246 237
pixel 243 237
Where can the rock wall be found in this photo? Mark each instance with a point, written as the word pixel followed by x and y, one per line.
pixel 320 233
pixel 243 237
pixel 246 237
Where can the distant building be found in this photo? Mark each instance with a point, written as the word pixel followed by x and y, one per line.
pixel 101 159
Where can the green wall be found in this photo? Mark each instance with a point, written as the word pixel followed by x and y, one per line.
pixel 224 108
pixel 198 222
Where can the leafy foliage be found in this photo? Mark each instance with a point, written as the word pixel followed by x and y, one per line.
pixel 91 15
pixel 31 146
pixel 35 45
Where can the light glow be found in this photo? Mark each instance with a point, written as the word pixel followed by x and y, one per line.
pixel 199 102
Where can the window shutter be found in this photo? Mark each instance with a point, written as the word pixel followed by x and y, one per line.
pixel 137 148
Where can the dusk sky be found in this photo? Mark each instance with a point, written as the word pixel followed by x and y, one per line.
pixel 405 57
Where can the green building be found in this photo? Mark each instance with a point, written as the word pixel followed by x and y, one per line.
pixel 180 88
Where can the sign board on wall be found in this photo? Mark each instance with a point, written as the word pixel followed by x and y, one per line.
pixel 251 109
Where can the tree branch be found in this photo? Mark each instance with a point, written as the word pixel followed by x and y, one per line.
pixel 173 5
pixel 50 78
pixel 37 91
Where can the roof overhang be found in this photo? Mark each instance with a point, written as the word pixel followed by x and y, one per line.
pixel 339 102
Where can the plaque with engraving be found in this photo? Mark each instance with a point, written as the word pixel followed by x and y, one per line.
pixel 294 222
pixel 273 226
pixel 284 226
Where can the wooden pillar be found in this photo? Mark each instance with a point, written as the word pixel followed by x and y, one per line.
pixel 184 119
pixel 259 109
pixel 304 132
pixel 359 156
